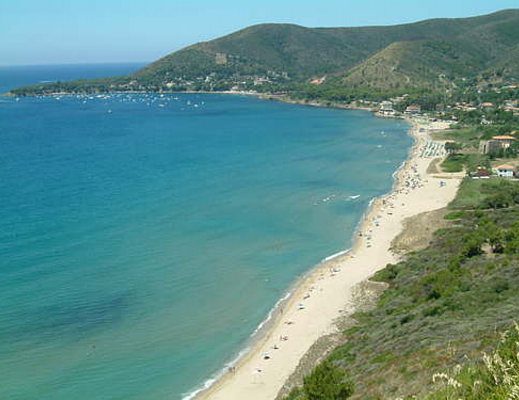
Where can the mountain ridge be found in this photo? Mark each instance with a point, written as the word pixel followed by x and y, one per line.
pixel 429 54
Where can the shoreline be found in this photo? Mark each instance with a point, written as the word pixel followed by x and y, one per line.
pixel 231 381
pixel 283 98
pixel 249 375
pixel 200 393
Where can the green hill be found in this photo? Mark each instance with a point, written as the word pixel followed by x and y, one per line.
pixel 428 54
pixel 464 49
pixel 411 54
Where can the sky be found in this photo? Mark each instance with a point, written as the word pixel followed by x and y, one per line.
pixel 36 32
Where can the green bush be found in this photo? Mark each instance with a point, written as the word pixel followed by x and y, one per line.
pixel 327 382
pixel 453 215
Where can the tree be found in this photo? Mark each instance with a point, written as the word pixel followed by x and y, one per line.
pixel 496 237
pixel 499 200
pixel 472 245
pixel 327 382
pixel 452 147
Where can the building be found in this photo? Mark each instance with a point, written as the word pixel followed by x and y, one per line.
pixel 318 81
pixel 413 109
pixel 505 140
pixel 260 80
pixel 511 106
pixel 489 147
pixel 496 144
pixel 386 108
pixel 505 171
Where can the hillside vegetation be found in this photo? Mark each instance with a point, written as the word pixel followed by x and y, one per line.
pixel 431 54
pixel 444 306
pixel 445 46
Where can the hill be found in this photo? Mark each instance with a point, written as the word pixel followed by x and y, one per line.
pixel 466 48
pixel 430 54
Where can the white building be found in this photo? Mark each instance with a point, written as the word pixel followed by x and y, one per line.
pixel 413 109
pixel 386 108
pixel 505 171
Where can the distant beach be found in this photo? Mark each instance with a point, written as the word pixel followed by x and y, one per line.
pixel 326 295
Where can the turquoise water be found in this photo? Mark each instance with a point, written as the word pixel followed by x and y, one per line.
pixel 144 238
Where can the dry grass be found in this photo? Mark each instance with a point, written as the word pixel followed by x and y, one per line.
pixel 433 167
pixel 418 231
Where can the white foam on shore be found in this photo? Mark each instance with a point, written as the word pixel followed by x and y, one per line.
pixel 338 254
pixel 271 313
pixel 216 377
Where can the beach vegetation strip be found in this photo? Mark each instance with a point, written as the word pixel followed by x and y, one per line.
pixel 444 306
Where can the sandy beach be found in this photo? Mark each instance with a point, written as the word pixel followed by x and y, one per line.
pixel 326 294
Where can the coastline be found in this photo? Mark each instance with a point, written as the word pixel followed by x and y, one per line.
pixel 326 280
pixel 284 98
pixel 314 303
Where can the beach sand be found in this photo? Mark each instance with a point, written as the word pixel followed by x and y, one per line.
pixel 326 294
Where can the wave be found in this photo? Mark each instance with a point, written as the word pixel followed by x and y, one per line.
pixel 338 254
pixel 263 323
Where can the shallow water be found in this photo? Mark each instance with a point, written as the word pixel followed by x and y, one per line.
pixel 143 238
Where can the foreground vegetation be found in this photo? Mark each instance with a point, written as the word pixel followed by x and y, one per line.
pixel 493 377
pixel 444 306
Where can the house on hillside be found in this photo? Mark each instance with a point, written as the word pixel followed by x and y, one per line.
pixel 489 147
pixel 511 105
pixel 318 81
pixel 505 140
pixel 413 109
pixel 260 80
pixel 505 171
pixel 496 144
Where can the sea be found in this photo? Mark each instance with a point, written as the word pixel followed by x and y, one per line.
pixel 145 237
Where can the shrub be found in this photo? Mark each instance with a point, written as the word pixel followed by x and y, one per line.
pixel 454 215
pixel 327 382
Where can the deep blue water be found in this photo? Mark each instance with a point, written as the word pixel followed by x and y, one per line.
pixel 144 238
pixel 13 77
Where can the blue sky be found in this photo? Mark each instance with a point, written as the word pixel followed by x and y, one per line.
pixel 88 31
